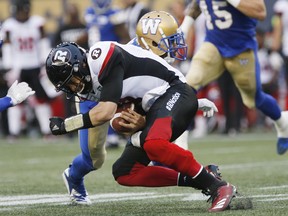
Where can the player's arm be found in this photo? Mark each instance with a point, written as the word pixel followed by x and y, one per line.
pixel 191 13
pixel 277 32
pixel 251 8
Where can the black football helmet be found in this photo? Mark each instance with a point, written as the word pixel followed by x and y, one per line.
pixel 65 61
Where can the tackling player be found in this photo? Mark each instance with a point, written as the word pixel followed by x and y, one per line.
pixel 230 44
pixel 158 32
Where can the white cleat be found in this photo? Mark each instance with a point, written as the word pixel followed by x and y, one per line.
pixel 77 192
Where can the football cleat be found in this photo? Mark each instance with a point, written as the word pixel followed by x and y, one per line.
pixel 77 192
pixel 282 145
pixel 222 197
pixel 282 133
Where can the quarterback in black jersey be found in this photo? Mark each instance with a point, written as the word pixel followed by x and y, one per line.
pixel 110 72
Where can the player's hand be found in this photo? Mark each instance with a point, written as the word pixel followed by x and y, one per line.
pixel 57 126
pixel 136 121
pixel 18 92
pixel 207 106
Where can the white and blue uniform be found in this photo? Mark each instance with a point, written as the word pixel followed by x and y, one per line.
pixel 231 37
pixel 230 44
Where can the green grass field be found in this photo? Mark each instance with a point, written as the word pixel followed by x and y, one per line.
pixel 31 182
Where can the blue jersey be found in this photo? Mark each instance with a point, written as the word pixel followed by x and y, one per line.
pixel 104 22
pixel 228 29
pixel 5 103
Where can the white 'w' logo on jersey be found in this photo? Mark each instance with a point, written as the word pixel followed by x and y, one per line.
pixel 150 24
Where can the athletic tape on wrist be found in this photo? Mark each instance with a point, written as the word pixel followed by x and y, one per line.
pixel 78 122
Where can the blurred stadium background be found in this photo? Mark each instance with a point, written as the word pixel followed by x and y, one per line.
pixel 53 9
pixel 31 182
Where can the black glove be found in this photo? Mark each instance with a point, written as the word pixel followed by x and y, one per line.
pixel 57 126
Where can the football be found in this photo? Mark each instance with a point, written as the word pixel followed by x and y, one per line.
pixel 114 122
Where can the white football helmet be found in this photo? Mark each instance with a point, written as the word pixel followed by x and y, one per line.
pixel 159 32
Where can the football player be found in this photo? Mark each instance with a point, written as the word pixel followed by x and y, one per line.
pixel 111 72
pixel 230 44
pixel 25 49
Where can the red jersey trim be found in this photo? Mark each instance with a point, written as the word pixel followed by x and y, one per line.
pixel 107 58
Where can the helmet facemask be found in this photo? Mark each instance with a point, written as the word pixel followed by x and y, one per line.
pixel 174 46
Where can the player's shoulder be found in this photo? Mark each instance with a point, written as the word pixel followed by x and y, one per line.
pixel 9 23
pixel 37 20
pixel 100 51
pixel 103 46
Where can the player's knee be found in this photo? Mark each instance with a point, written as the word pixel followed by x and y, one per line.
pixel 98 161
pixel 156 149
pixel 249 103
pixel 123 180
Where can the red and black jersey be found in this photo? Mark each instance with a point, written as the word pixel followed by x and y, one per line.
pixel 129 71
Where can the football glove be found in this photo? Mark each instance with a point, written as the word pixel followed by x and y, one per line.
pixel 207 106
pixel 18 92
pixel 57 126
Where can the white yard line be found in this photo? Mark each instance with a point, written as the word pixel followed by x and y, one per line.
pixel 9 202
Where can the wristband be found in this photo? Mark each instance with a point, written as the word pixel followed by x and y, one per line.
pixel 78 122
pixel 234 3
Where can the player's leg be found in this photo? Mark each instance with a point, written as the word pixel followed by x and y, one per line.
pixel 92 144
pixel 132 169
pixel 245 71
pixel 165 123
pixel 207 65
pixel 42 101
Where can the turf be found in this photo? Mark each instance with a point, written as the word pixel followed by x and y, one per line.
pixel 31 182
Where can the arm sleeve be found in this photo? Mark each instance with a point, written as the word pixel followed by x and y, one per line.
pixel 5 103
pixel 113 84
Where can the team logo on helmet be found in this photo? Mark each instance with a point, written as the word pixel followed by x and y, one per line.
pixel 95 54
pixel 150 24
pixel 61 56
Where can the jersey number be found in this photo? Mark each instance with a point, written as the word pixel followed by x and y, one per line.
pixel 223 18
pixel 26 44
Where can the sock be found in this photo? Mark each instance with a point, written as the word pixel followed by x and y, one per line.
pixel 203 181
pixel 79 169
